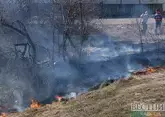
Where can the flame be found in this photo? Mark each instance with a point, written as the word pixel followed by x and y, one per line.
pixel 3 115
pixel 35 104
pixel 147 71
pixel 151 70
pixel 59 98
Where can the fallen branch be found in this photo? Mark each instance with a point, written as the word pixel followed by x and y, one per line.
pixel 23 33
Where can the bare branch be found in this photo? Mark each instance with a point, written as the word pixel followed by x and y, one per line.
pixel 23 33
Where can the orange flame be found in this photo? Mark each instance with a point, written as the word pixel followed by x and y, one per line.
pixel 35 104
pixel 3 115
pixel 59 98
pixel 151 70
pixel 146 71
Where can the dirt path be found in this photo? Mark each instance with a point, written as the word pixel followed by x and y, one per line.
pixel 127 29
pixel 126 21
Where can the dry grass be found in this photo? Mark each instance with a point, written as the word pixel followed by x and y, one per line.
pixel 111 101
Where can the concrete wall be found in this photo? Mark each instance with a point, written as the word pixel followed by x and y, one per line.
pixel 152 1
pixel 164 7
pixel 117 1
pixel 134 1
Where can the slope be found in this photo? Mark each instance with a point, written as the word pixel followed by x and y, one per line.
pixel 112 101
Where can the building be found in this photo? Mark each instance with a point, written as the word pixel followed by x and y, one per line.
pixel 111 8
pixel 130 8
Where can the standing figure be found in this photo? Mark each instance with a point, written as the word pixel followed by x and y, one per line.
pixel 158 20
pixel 144 17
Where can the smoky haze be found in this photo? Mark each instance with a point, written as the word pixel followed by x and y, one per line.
pixel 102 58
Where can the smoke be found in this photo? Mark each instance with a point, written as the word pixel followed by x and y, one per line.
pixel 14 89
pixel 103 59
pixel 19 100
pixel 107 59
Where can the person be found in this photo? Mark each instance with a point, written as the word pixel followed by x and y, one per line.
pixel 145 18
pixel 158 21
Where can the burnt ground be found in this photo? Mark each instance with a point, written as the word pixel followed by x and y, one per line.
pixel 114 100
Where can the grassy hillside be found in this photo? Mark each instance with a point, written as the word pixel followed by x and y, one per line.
pixel 111 101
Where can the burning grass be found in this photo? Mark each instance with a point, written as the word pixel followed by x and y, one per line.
pixel 148 70
pixel 111 101
pixel 3 115
pixel 35 104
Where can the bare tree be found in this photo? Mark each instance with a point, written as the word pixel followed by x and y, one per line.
pixel 24 8
pixel 18 26
pixel 74 18
pixel 22 31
